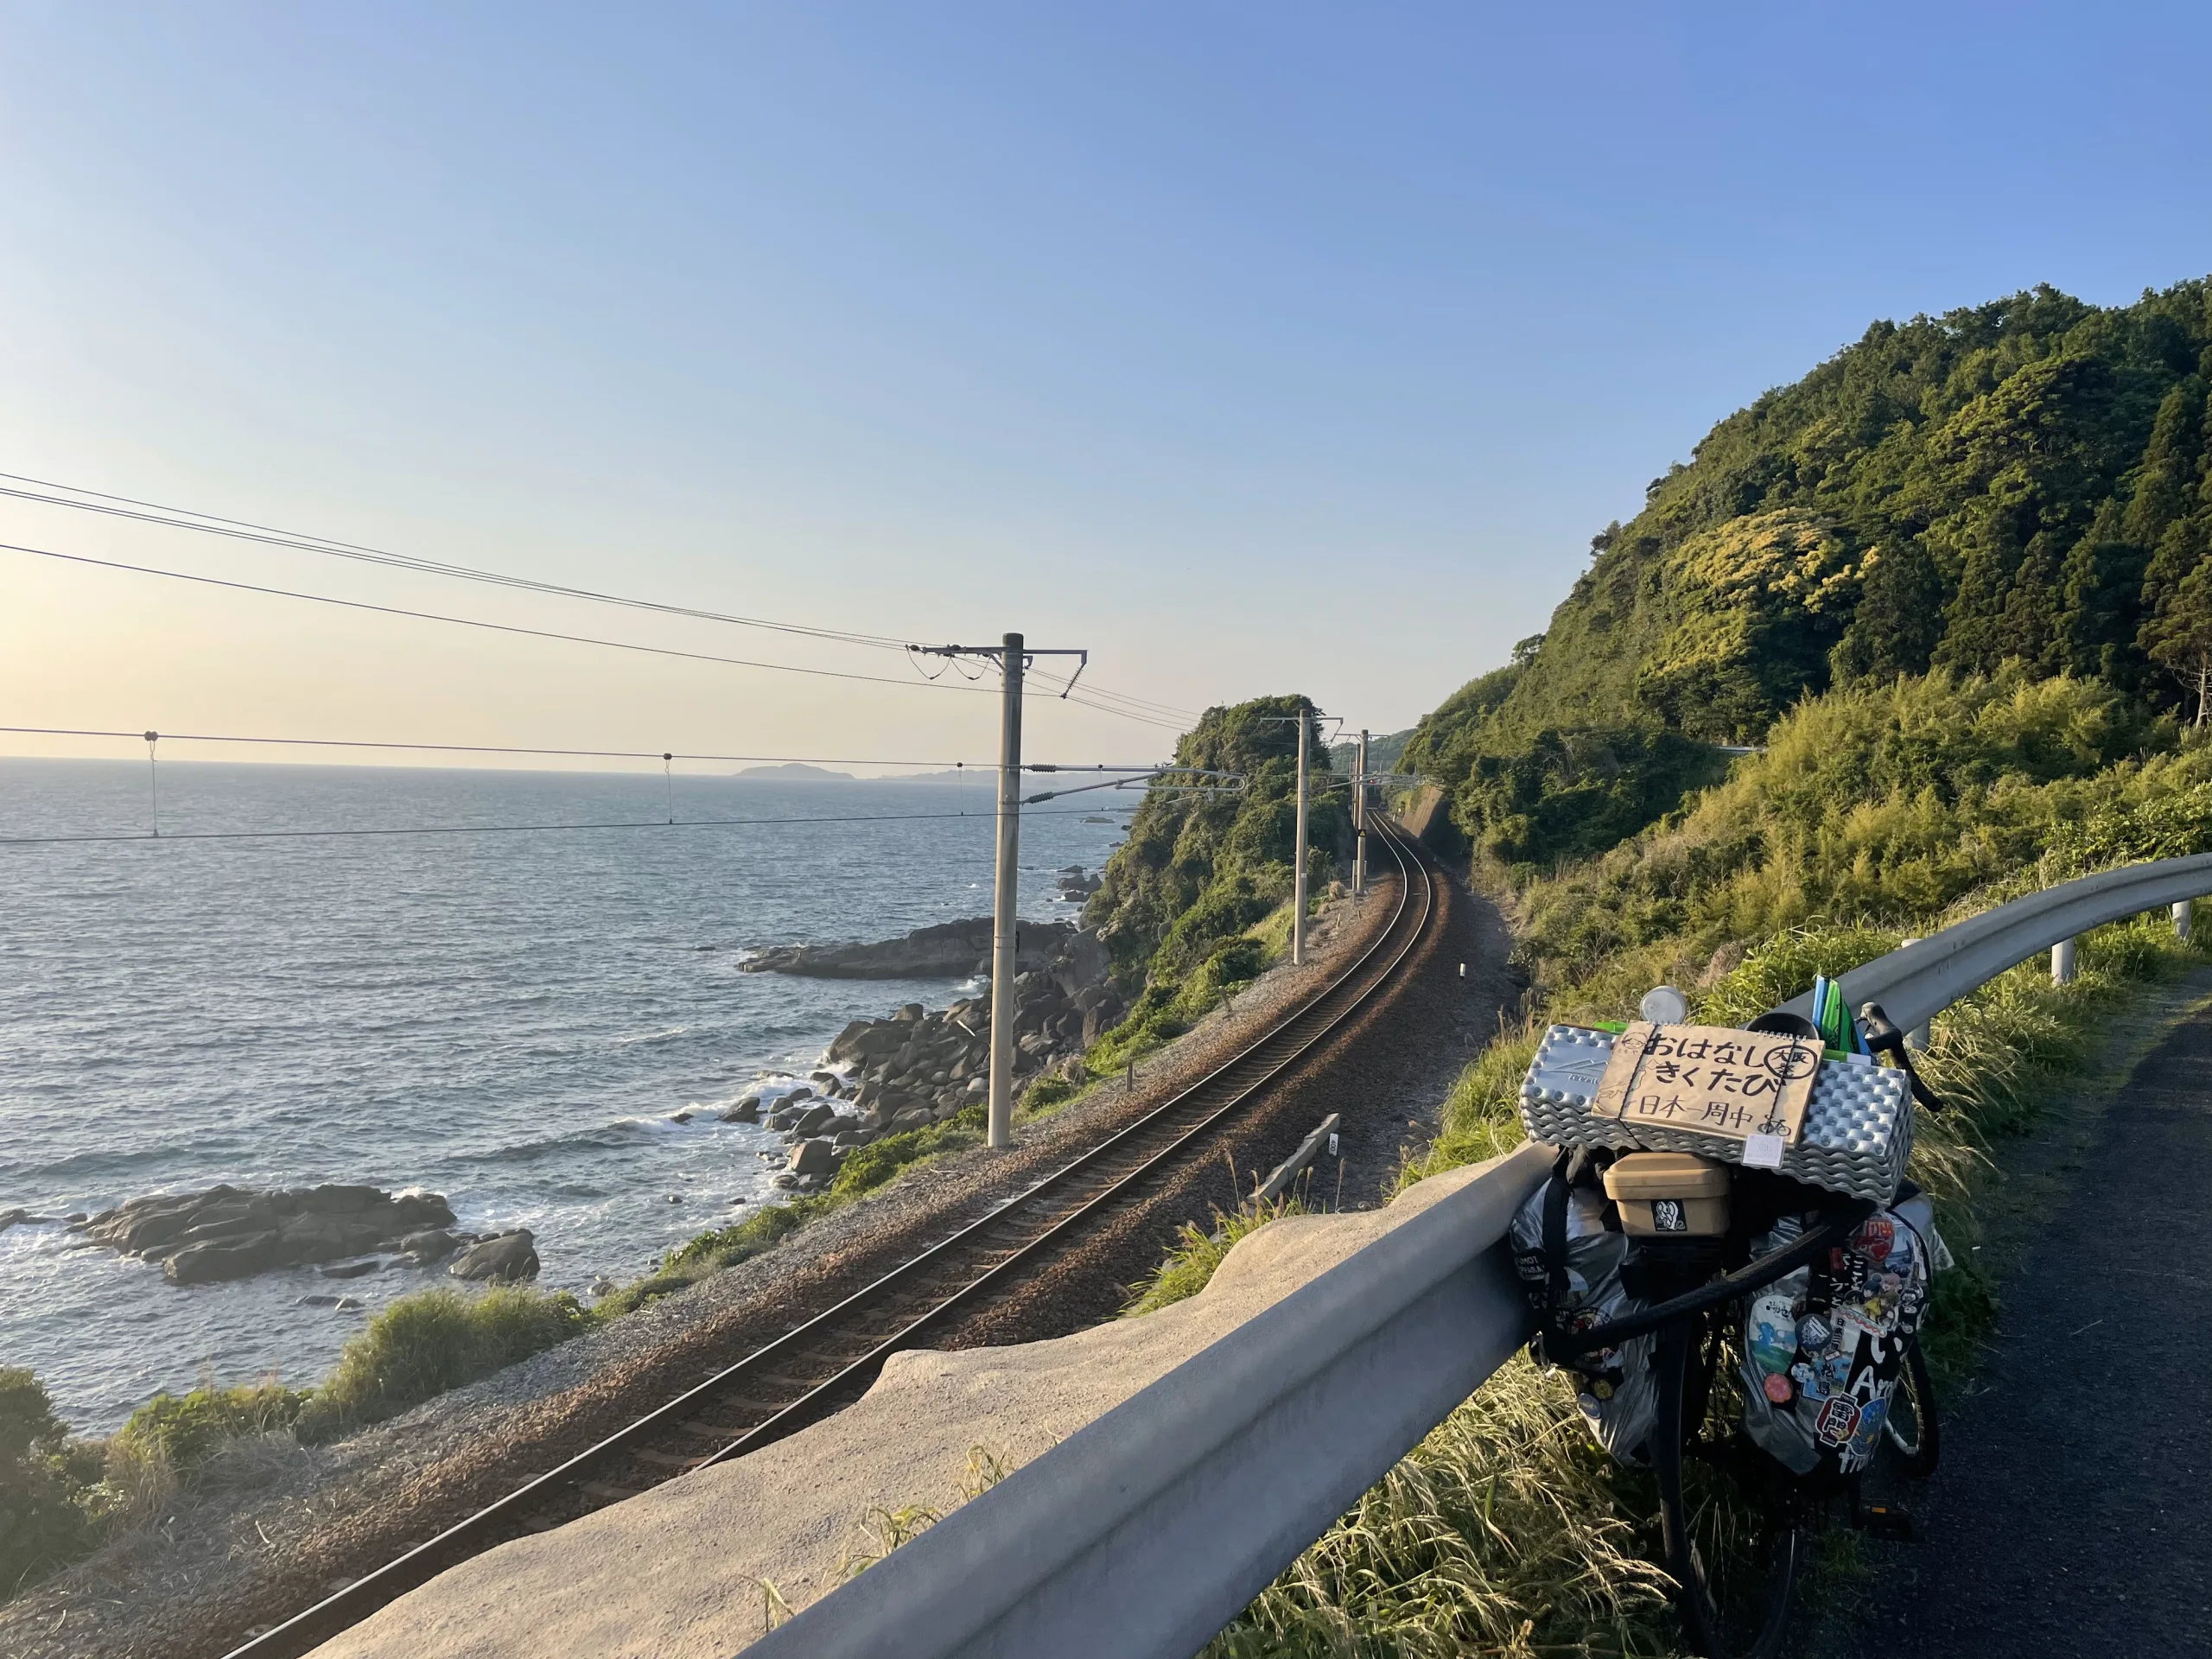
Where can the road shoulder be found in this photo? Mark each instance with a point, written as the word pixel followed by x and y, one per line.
pixel 2072 1513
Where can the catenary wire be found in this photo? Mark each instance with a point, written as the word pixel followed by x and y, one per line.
pixel 145 511
pixel 1134 701
pixel 519 829
pixel 983 768
pixel 499 748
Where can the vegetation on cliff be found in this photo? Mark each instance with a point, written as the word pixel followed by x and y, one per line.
pixel 2019 487
pixel 1201 868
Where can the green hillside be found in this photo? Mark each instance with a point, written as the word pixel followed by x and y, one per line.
pixel 1383 750
pixel 1200 867
pixel 2023 483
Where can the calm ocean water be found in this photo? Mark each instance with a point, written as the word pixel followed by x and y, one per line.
pixel 509 1019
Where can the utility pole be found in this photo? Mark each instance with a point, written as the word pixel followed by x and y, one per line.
pixel 1005 903
pixel 1012 658
pixel 1359 821
pixel 1298 881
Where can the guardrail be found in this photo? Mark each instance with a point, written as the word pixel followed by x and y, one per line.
pixel 1920 980
pixel 1147 1531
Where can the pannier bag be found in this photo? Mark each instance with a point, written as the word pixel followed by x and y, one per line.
pixel 1568 1249
pixel 1822 1347
pixel 1856 1133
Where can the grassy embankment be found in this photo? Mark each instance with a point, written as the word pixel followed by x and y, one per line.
pixel 1874 815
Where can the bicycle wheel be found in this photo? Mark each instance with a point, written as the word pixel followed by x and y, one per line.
pixel 1733 1593
pixel 1911 1427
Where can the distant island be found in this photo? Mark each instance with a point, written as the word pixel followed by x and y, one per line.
pixel 798 772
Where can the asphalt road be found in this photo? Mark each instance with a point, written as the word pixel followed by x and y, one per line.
pixel 2073 1512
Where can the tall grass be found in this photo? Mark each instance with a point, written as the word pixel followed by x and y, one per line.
pixel 1504 1532
pixel 1189 1265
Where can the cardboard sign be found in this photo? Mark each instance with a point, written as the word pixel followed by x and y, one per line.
pixel 1710 1080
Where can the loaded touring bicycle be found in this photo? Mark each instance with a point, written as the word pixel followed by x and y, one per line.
pixel 1729 1264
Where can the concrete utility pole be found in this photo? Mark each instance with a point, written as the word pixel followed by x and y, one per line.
pixel 1013 656
pixel 1006 904
pixel 1298 883
pixel 1359 821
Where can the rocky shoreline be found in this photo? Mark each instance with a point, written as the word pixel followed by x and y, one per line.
pixel 947 950
pixel 878 1077
pixel 889 1076
pixel 228 1232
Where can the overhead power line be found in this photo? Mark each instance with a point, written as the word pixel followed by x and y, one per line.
pixel 491 749
pixel 137 510
pixel 983 768
pixel 504 828
pixel 1093 688
pixel 124 506
pixel 478 622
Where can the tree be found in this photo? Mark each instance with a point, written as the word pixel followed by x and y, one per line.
pixel 2100 593
pixel 2168 475
pixel 1899 619
pixel 2180 639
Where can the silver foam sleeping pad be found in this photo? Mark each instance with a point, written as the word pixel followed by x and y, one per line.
pixel 1857 1126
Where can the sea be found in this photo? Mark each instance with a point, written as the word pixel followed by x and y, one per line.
pixel 510 1016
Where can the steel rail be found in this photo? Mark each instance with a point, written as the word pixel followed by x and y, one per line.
pixel 1243 1074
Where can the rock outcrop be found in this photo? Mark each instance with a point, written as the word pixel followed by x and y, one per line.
pixel 918 1066
pixel 229 1232
pixel 949 950
pixel 502 1259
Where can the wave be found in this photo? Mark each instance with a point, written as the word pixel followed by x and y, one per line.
pixel 661 1036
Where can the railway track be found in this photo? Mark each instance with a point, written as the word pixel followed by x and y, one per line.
pixel 816 1368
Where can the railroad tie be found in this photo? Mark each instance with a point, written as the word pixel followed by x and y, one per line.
pixel 663 1459
pixel 707 1431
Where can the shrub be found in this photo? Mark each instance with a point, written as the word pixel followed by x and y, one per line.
pixel 434 1340
pixel 1189 1265
pixel 47 1503
pixel 182 1430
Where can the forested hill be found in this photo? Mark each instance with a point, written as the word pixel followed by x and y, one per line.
pixel 2027 481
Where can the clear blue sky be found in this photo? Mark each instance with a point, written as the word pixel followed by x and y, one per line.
pixel 1256 347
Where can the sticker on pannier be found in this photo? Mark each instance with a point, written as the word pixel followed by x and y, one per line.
pixel 1822 1346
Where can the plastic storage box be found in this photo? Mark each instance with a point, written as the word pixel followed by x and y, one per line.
pixel 1669 1195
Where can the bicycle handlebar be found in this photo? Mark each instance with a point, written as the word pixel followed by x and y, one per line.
pixel 1751 1276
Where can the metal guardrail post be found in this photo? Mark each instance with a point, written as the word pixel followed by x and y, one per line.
pixel 2181 918
pixel 2061 962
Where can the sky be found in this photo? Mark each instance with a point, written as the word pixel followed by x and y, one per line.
pixel 1253 348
